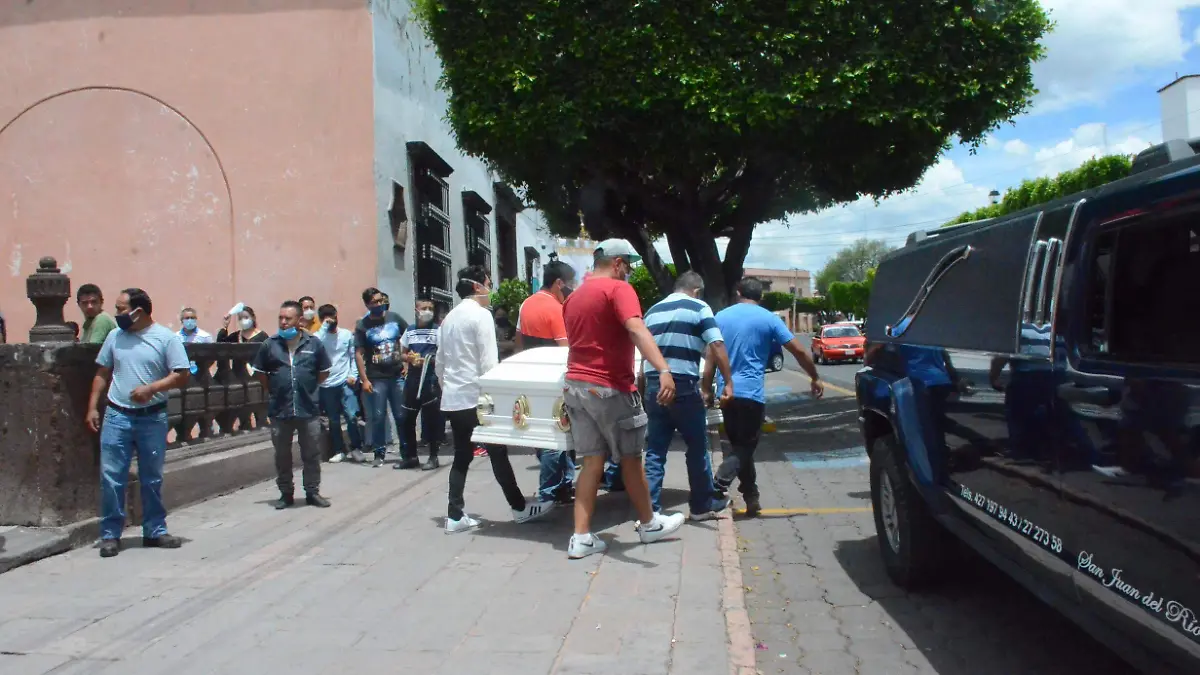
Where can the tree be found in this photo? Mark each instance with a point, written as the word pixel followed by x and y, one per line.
pixel 1091 174
pixel 777 301
pixel 695 121
pixel 509 295
pixel 851 263
pixel 647 289
pixel 852 297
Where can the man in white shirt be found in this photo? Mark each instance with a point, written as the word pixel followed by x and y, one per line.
pixel 191 332
pixel 339 393
pixel 466 350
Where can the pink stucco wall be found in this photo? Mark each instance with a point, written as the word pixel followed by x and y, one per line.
pixel 208 155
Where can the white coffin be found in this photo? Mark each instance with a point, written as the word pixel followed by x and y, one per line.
pixel 532 379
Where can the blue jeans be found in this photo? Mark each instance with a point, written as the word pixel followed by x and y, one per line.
pixel 119 436
pixel 688 416
pixel 389 392
pixel 338 403
pixel 558 474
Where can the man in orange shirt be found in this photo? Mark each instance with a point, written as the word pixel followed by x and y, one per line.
pixel 540 321
pixel 540 324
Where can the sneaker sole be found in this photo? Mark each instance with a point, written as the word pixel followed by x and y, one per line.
pixel 541 514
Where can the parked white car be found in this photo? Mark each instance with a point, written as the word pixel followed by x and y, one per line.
pixel 521 403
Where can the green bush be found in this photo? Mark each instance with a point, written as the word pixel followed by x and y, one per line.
pixel 509 295
pixel 647 291
pixel 1091 174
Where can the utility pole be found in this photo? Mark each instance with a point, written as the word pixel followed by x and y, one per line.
pixel 795 294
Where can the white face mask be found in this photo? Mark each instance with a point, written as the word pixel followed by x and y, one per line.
pixel 247 324
pixel 309 314
pixel 425 316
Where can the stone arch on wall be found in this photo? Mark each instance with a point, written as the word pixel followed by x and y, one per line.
pixel 124 190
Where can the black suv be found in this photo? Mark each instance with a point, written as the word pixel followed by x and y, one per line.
pixel 1032 388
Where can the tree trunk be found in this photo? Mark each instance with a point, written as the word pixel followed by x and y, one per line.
pixel 677 242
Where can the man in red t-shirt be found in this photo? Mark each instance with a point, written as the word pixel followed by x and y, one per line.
pixel 604 323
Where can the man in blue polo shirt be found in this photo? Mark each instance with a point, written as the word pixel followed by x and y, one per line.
pixel 144 360
pixel 684 328
pixel 750 331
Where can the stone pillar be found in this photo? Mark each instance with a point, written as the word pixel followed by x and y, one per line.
pixel 49 289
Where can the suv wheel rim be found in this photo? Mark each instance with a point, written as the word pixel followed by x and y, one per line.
pixel 887 509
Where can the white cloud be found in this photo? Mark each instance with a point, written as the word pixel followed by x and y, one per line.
pixel 807 241
pixel 1098 46
pixel 1091 140
pixel 1016 147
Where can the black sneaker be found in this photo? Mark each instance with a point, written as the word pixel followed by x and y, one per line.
pixel 753 508
pixel 162 541
pixel 314 499
pixel 431 465
pixel 283 502
pixel 109 548
pixel 412 463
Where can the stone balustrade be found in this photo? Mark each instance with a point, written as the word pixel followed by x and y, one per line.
pixel 49 460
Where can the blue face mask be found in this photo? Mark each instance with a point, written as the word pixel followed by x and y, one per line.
pixel 288 333
pixel 380 310
pixel 189 325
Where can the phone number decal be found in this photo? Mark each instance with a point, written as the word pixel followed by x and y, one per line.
pixel 1020 525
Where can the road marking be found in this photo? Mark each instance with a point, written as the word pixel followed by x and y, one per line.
pixel 846 458
pixel 811 418
pixel 809 512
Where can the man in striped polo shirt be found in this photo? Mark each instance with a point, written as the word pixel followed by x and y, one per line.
pixel 684 329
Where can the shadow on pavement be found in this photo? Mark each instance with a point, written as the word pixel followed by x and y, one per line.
pixel 977 619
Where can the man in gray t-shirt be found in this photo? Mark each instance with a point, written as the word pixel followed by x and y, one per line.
pixel 138 364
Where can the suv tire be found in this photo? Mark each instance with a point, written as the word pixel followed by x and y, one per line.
pixel 777 363
pixel 912 543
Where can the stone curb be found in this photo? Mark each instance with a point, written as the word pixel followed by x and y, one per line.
pixel 742 660
pixel 25 545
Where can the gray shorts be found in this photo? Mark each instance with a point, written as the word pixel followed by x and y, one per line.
pixel 604 421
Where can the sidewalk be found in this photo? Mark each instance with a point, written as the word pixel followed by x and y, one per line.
pixel 374 585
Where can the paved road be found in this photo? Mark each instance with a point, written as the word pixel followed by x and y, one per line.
pixel 373 585
pixel 821 603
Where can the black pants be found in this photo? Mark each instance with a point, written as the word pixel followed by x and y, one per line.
pixel 462 423
pixel 429 407
pixel 308 429
pixel 743 425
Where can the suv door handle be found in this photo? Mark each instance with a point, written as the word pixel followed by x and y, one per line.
pixel 1101 396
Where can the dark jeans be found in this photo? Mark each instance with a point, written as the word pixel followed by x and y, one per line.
pixel 743 425
pixel 431 421
pixel 557 475
pixel 283 430
pixel 462 423
pixel 688 416
pixel 389 393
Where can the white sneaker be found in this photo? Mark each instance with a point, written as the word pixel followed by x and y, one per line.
pixel 337 458
pixel 718 505
pixel 357 456
pixel 533 511
pixel 660 528
pixel 583 545
pixel 462 525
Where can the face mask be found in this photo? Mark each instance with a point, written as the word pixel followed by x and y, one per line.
pixel 380 310
pixel 247 324
pixel 125 321
pixel 309 314
pixel 288 333
pixel 566 290
pixel 189 325
pixel 425 316
pixel 331 326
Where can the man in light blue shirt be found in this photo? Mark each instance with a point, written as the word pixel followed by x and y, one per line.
pixel 138 364
pixel 338 393
pixel 684 329
pixel 750 332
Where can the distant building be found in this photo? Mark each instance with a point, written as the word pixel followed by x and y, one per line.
pixel 240 151
pixel 795 282
pixel 1180 108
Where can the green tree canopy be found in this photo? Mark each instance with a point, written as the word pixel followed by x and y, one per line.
pixel 851 263
pixel 698 120
pixel 1091 174
pixel 509 295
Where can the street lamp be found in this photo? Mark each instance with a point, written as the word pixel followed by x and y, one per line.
pixel 994 197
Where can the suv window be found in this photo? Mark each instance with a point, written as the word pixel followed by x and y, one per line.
pixel 1144 291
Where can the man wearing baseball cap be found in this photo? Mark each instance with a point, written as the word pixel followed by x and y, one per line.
pixel 604 323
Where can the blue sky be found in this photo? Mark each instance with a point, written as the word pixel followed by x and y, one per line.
pixel 1105 62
